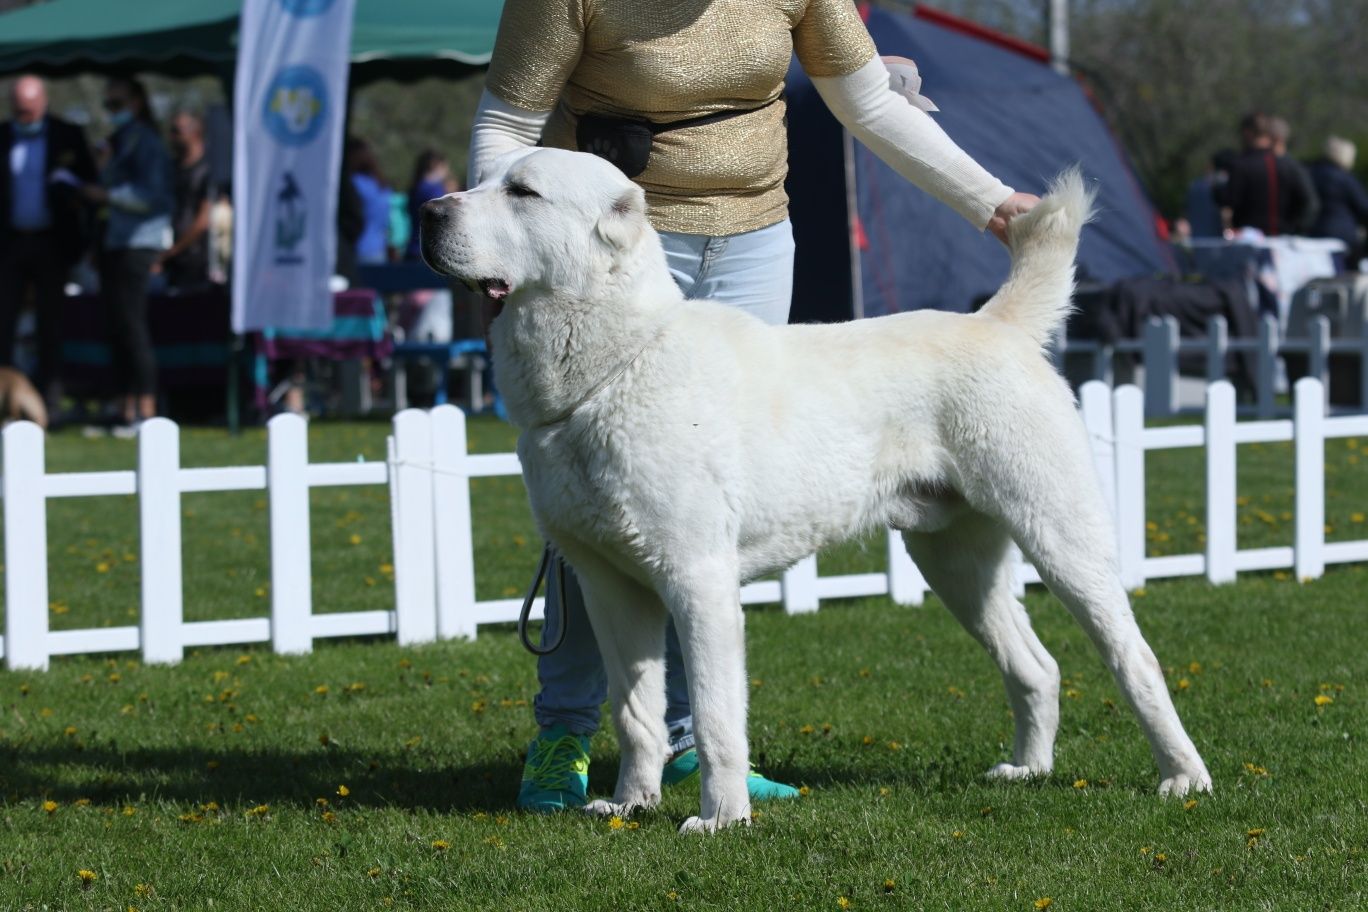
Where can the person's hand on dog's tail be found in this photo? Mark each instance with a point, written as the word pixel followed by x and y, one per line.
pixel 1014 205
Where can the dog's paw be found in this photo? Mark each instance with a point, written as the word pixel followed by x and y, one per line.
pixel 600 807
pixel 1011 772
pixel 1180 784
pixel 711 824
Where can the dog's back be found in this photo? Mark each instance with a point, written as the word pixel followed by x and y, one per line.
pixel 19 400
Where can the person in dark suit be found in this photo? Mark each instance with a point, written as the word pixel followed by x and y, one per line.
pixel 1266 191
pixel 43 221
pixel 1344 201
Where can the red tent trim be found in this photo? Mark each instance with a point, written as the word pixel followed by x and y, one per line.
pixel 983 32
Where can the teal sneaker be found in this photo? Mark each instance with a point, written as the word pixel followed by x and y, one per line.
pixel 556 774
pixel 685 767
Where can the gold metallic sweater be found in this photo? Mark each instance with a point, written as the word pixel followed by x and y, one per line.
pixel 667 61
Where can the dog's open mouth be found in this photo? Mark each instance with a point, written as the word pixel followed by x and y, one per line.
pixel 493 289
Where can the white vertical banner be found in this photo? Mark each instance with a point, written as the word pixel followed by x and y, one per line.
pixel 289 108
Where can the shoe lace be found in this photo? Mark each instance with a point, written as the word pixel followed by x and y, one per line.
pixel 550 764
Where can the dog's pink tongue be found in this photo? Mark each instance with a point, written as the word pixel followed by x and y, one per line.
pixel 496 289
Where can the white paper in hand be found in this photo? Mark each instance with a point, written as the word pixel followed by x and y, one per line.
pixel 904 78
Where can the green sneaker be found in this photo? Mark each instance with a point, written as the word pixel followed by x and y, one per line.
pixel 556 774
pixel 685 766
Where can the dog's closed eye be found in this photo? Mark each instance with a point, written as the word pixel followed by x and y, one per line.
pixel 521 190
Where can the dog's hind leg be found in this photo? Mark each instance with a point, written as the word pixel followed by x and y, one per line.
pixel 707 614
pixel 1050 500
pixel 968 566
pixel 629 625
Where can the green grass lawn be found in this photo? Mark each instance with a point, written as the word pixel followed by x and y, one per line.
pixel 366 776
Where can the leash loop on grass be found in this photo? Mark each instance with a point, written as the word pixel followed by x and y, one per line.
pixel 547 557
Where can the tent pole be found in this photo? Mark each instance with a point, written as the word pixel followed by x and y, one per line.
pixel 853 228
pixel 1059 35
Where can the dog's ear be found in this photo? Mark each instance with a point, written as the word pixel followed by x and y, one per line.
pixel 621 225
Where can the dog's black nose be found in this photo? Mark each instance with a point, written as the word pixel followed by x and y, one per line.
pixel 435 212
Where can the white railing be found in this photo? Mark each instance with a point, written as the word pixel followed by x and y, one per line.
pixel 429 472
pixel 1161 346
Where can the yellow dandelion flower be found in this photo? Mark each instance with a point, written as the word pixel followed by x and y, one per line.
pixel 142 889
pixel 1080 783
pixel 757 682
pixel 1195 668
pixel 82 802
pixel 102 567
pixel 895 745
pixel 804 790
pixel 885 792
pixel 889 885
pixel 843 902
pixel 387 569
pixel 1189 804
pixel 343 791
pixel 321 689
pixel 210 806
pixel 355 539
pixel 1184 683
pixel 329 817
pixel 1145 850
pixel 260 592
pixel 69 730
pixel 958 834
pixel 373 872
pixel 441 845
pixel 616 823
pixel 244 659
pixel 1043 903
pixel 1160 858
pixel 50 806
pixel 261 810
pixel 985 811
pixel 672 896
pixel 87 877
pixel 129 810
pixel 1324 699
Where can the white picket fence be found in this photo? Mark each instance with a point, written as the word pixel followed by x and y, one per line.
pixel 429 472
pixel 1160 347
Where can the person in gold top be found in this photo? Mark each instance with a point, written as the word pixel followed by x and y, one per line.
pixel 699 86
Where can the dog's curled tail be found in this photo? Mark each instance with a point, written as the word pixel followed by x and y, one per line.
pixel 1037 294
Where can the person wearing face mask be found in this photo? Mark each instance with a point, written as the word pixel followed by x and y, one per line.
pixel 43 162
pixel 135 189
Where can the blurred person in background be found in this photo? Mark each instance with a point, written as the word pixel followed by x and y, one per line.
pixel 363 169
pixel 1281 133
pixel 135 188
pixel 1203 215
pixel 431 179
pixel 1344 202
pixel 1265 191
pixel 186 263
pixel 43 222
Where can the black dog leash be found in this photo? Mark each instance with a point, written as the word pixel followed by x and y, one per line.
pixel 547 557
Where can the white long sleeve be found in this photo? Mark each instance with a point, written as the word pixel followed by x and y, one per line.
pixel 910 142
pixel 500 128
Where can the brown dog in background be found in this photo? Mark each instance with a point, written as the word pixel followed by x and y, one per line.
pixel 19 400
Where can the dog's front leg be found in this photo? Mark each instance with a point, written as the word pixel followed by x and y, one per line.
pixel 629 625
pixel 712 634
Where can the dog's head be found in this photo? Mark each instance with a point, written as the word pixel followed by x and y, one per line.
pixel 543 219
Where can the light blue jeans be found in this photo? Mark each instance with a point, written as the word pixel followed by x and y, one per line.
pixel 752 271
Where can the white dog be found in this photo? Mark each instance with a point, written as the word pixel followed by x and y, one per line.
pixel 673 449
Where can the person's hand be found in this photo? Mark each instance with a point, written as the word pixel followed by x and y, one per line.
pixel 158 264
pixel 1014 205
pixel 95 193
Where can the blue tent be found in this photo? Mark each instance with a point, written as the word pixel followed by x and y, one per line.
pixel 1013 113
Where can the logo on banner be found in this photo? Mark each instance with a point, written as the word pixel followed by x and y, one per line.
pixel 291 221
pixel 296 105
pixel 303 8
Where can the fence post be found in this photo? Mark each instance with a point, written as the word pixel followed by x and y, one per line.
pixel 1266 363
pixel 1128 416
pixel 906 585
pixel 1218 342
pixel 287 489
pixel 454 554
pixel 26 578
pixel 1095 401
pixel 415 596
pixel 1318 353
pixel 1220 482
pixel 1309 441
pixel 799 587
pixel 1161 366
pixel 1363 366
pixel 159 519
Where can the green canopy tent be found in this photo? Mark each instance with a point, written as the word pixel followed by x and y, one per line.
pixel 391 39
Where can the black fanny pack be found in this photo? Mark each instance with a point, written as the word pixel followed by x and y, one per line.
pixel 626 141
